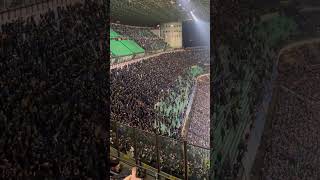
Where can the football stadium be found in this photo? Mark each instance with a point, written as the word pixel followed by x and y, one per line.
pixel 266 97
pixel 160 97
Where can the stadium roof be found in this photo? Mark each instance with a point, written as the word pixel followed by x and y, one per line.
pixel 152 12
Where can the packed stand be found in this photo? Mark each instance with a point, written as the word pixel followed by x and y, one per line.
pixel 135 90
pixel 306 65
pixel 199 129
pixel 142 35
pixel 173 105
pixel 292 142
pixel 52 95
pixel 241 78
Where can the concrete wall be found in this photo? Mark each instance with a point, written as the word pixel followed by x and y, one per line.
pixel 156 32
pixel 172 34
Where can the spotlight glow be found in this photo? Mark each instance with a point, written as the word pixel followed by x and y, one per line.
pixel 193 16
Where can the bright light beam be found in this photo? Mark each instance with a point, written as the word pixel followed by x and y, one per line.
pixel 193 16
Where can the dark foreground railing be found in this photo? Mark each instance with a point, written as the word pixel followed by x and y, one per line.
pixel 163 154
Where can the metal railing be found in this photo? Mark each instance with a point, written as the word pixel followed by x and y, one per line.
pixel 166 155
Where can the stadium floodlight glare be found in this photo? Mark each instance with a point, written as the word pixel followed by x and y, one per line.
pixel 193 16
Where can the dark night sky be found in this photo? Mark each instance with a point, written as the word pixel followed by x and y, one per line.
pixel 193 36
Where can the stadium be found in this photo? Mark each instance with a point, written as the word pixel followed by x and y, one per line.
pixel 160 97
pixel 266 97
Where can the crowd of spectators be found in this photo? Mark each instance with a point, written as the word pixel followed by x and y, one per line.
pixel 52 80
pixel 199 131
pixel 173 105
pixel 137 88
pixel 142 35
pixel 305 66
pixel 244 66
pixel 170 152
pixel 134 92
pixel 292 144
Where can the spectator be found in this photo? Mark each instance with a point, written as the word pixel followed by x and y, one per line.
pixel 146 94
pixel 292 140
pixel 52 72
pixel 133 175
pixel 142 35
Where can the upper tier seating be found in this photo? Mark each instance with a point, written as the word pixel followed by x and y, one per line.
pixel 120 46
pixel 143 36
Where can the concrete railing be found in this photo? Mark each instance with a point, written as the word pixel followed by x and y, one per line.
pixel 186 120
pixel 126 63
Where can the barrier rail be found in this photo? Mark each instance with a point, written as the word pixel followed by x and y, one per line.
pixel 149 171
pixel 172 156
